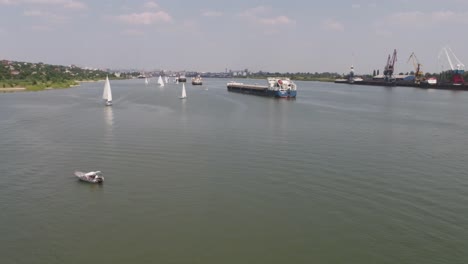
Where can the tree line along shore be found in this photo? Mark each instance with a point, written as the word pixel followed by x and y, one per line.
pixel 15 76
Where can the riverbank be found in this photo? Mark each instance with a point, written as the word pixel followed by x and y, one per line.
pixel 25 86
pixel 438 86
pixel 12 89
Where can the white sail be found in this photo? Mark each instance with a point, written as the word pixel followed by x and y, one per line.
pixel 107 93
pixel 160 81
pixel 184 94
pixel 167 79
pixel 146 81
pixel 104 93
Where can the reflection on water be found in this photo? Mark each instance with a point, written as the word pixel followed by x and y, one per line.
pixel 279 110
pixel 109 116
pixel 109 123
pixel 91 186
pixel 183 106
pixel 183 110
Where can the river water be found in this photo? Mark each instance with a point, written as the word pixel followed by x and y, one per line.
pixel 342 174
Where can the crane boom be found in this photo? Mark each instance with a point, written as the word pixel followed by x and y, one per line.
pixel 460 65
pixel 394 58
pixel 456 71
pixel 418 74
pixel 449 60
pixel 390 66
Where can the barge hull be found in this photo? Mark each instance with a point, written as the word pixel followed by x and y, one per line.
pixel 261 91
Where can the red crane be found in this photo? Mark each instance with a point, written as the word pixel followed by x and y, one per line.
pixel 389 68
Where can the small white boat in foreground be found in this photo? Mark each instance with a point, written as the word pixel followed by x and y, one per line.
pixel 92 176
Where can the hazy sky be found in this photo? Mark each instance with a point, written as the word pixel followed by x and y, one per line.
pixel 209 35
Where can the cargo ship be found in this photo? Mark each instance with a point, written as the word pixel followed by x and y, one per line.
pixel 277 87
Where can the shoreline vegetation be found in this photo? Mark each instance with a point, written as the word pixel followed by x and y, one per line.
pixel 42 87
pixel 23 85
pixel 24 76
pixel 20 85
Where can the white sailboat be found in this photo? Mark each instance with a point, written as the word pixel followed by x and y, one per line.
pixel 146 81
pixel 184 94
pixel 107 93
pixel 167 79
pixel 160 81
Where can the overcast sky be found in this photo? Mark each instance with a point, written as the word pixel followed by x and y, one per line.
pixel 211 35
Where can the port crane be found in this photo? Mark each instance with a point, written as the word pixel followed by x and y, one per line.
pixel 418 74
pixel 390 66
pixel 458 69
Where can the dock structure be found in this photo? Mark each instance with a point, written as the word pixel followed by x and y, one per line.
pixel 423 85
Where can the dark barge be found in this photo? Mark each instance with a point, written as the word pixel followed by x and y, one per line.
pixel 277 87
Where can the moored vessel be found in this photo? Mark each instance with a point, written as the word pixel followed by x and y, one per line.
pixel 197 80
pixel 181 78
pixel 432 81
pixel 341 80
pixel 277 87
pixel 350 78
